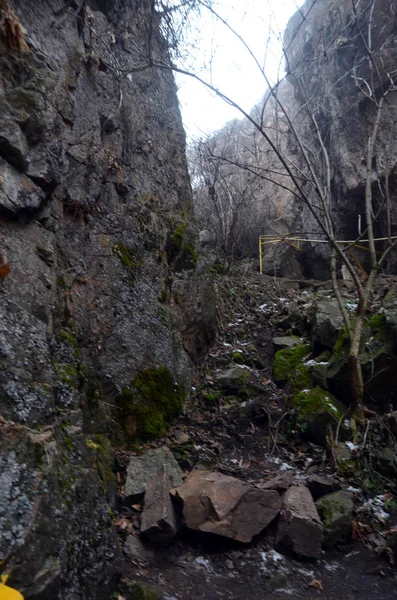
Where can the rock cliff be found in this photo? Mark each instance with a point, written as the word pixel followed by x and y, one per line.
pixel 339 62
pixel 103 307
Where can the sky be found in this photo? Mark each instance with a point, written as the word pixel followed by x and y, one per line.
pixel 220 58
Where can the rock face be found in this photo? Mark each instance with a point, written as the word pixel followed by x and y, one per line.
pixel 320 55
pixel 329 78
pixel 225 506
pixel 95 228
pixel 300 526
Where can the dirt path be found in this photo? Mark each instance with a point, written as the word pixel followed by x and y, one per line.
pixel 246 434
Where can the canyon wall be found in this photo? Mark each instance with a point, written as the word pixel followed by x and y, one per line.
pixel 104 309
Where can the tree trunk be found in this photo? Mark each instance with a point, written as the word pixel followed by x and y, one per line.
pixel 356 387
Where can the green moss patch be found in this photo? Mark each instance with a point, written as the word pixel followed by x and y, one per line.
pixel 316 409
pixel 180 250
pixel 128 260
pixel 316 400
pixel 287 360
pixel 149 404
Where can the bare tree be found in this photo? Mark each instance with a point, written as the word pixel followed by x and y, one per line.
pixel 306 173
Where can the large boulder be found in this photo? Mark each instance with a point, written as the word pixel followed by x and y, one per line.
pixel 286 361
pixel 300 528
pixel 378 359
pixel 326 322
pixel 225 506
pixel 336 512
pixel 316 409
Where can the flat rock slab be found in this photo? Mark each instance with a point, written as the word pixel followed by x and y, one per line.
pixel 142 469
pixel 225 506
pixel 280 483
pixel 320 485
pixel 300 527
pixel 286 341
pixel 159 522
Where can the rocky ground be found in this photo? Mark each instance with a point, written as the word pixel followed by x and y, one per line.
pixel 270 509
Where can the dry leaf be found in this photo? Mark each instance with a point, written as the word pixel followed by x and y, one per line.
pixel 355 530
pixel 316 584
pixel 121 523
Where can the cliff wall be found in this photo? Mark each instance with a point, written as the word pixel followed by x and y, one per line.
pixel 99 288
pixel 340 62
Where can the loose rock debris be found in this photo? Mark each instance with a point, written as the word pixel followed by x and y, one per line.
pixel 253 498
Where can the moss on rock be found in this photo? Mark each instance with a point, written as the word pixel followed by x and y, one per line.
pixel 180 250
pixel 287 360
pixel 128 261
pixel 316 409
pixel 149 404
pixel 308 402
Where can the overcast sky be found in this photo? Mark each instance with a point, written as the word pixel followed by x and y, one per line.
pixel 222 59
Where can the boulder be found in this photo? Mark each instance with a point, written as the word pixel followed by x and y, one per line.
pixel 233 379
pixel 327 320
pixel 286 341
pixel 300 528
pixel 378 360
pixel 225 506
pixel 316 409
pixel 385 460
pixel 159 522
pixel 320 485
pixel 336 512
pixel 286 361
pixel 142 469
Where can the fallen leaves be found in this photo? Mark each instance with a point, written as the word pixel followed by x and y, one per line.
pixel 317 584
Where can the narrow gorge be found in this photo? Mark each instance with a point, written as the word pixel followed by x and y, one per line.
pixel 174 425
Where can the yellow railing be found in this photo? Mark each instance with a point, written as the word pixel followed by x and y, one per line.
pixel 7 593
pixel 296 243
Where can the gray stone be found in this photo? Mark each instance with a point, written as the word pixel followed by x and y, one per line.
pixel 233 379
pixel 280 483
pixel 142 469
pixel 181 437
pixel 17 191
pixel 286 341
pixel 386 461
pixel 320 485
pixel 13 144
pixel 336 512
pixel 300 528
pixel 225 506
pixel 327 320
pixel 135 549
pixel 159 521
